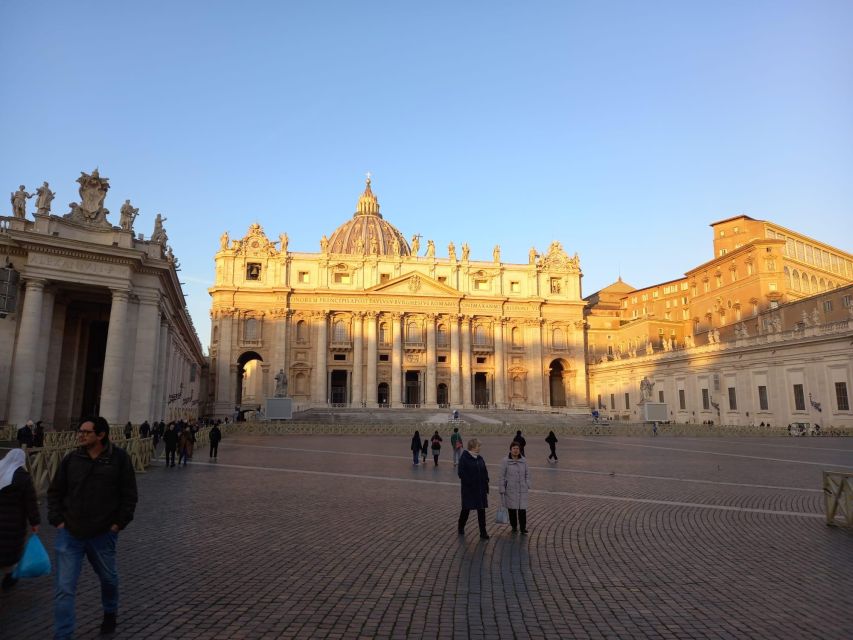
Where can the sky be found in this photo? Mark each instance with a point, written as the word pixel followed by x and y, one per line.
pixel 621 129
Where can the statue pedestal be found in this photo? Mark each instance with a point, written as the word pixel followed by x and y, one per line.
pixel 654 412
pixel 279 409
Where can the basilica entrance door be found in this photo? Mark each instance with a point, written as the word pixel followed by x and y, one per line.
pixel 338 387
pixel 413 387
pixel 481 389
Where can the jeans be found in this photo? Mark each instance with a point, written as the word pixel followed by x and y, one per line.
pixel 457 455
pixel 101 552
pixel 416 456
pixel 170 457
pixel 214 449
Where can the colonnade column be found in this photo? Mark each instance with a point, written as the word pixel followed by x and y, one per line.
pixel 396 360
pixel 430 371
pixel 114 360
pixel 455 397
pixel 357 359
pixel 372 356
pixel 23 375
pixel 224 379
pixel 466 361
pixel 500 378
pixel 535 396
pixel 158 408
pixel 319 393
pixel 40 363
pixel 147 333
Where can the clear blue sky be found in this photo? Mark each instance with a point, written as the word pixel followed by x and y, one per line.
pixel 621 129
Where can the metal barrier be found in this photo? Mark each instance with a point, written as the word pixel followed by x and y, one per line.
pixel 838 497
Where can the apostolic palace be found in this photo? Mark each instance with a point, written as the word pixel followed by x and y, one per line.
pixel 94 319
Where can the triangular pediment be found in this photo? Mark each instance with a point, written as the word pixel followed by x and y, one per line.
pixel 415 284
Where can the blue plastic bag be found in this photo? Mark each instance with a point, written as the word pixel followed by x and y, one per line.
pixel 35 562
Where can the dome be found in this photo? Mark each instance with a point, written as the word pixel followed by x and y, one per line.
pixel 368 233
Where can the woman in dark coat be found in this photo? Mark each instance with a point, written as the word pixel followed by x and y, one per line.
pixel 416 448
pixel 552 442
pixel 17 506
pixel 475 487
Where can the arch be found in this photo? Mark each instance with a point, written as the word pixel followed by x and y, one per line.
pixel 384 338
pixel 787 273
pixel 480 335
pixel 441 394
pixel 804 278
pixel 822 284
pixel 814 284
pixel 557 382
pixel 253 381
pixel 558 338
pixel 441 336
pixel 795 276
pixel 516 337
pixel 413 332
pixel 339 331
pixel 382 394
pixel 302 331
pixel 518 386
pixel 830 284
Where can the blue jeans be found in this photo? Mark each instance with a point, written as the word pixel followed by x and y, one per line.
pixel 101 552
pixel 416 455
pixel 457 455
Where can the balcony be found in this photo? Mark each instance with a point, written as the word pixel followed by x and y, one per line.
pixel 414 345
pixel 250 343
pixel 482 348
pixel 340 345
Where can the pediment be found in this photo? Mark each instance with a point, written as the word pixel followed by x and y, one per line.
pixel 415 284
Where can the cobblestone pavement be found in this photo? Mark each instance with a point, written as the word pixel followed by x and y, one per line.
pixel 341 537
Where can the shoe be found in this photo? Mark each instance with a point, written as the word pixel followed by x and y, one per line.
pixel 484 536
pixel 514 531
pixel 524 531
pixel 9 581
pixel 109 623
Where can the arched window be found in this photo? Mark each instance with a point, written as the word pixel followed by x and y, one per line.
pixel 384 337
pixel 830 285
pixel 480 337
pixel 814 284
pixel 805 280
pixel 441 336
pixel 250 329
pixel 339 333
pixel 822 284
pixel 517 387
pixel 788 282
pixel 796 280
pixel 413 332
pixel 301 331
pixel 516 337
pixel 300 384
pixel 558 338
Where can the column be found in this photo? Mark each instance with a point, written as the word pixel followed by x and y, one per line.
pixel 224 379
pixel 500 376
pixel 534 365
pixel 319 394
pixel 357 359
pixel 466 361
pixel 37 408
pixel 372 357
pixel 163 369
pixel 23 372
pixel 455 396
pixel 396 360
pixel 114 361
pixel 51 385
pixel 431 393
pixel 147 334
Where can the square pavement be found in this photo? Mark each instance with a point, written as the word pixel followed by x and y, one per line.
pixel 342 537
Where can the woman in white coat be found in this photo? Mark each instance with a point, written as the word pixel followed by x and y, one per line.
pixel 514 485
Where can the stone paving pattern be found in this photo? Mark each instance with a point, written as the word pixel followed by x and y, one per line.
pixel 341 537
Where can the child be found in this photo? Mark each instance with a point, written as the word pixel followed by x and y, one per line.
pixel 425 450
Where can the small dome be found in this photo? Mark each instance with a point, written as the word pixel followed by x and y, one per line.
pixel 368 233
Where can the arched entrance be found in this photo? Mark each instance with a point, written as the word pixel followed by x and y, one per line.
pixel 441 395
pixel 382 394
pixel 250 381
pixel 557 384
pixel 338 384
pixel 481 389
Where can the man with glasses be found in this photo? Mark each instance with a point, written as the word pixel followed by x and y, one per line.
pixel 91 498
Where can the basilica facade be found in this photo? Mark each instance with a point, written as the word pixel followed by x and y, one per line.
pixel 373 320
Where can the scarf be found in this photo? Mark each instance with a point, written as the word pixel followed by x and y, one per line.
pixel 9 465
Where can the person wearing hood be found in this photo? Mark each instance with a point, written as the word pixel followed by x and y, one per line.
pixel 416 448
pixel 514 486
pixel 552 443
pixel 17 507
pixel 475 487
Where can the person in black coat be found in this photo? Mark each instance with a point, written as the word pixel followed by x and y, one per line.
pixel 520 440
pixel 170 440
pixel 475 487
pixel 17 506
pixel 25 435
pixel 552 442
pixel 416 448
pixel 215 437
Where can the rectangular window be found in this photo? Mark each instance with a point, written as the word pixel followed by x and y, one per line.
pixel 383 357
pixel 660 396
pixel 706 400
pixel 613 401
pixel 841 396
pixel 384 277
pixel 846 302
pixel 827 306
pixel 339 356
pixel 732 399
pixel 799 398
pixel 627 400
pixel 515 286
pixel 442 279
pixel 303 277
pixel 342 278
pixel 481 285
pixel 600 406
pixel 682 401
pixel 442 358
pixel 762 398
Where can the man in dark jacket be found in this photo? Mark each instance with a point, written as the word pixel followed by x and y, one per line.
pixel 215 437
pixel 475 487
pixel 170 440
pixel 25 435
pixel 91 498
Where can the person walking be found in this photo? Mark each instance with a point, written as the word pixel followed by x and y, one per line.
pixel 38 435
pixel 215 436
pixel 25 435
pixel 91 498
pixel 514 485
pixel 435 442
pixel 425 450
pixel 128 431
pixel 552 443
pixel 170 442
pixel 456 445
pixel 520 440
pixel 475 487
pixel 17 507
pixel 416 448
pixel 185 443
pixel 144 429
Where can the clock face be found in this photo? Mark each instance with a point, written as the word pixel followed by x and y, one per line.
pixel 255 244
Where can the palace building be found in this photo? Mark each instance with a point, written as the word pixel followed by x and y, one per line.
pixel 372 320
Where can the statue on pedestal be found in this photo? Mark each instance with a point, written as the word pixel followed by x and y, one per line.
pixel 430 249
pixel 93 191
pixel 45 197
pixel 466 251
pixel 159 235
pixel 128 215
pixel 496 253
pixel 283 242
pixel 223 241
pixel 646 387
pixel 280 384
pixel 324 244
pixel 451 251
pixel 416 244
pixel 19 202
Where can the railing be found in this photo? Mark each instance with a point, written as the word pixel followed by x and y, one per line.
pixel 482 347
pixel 411 405
pixel 340 345
pixel 838 497
pixel 413 345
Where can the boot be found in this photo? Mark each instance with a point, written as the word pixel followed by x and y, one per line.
pixel 109 623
